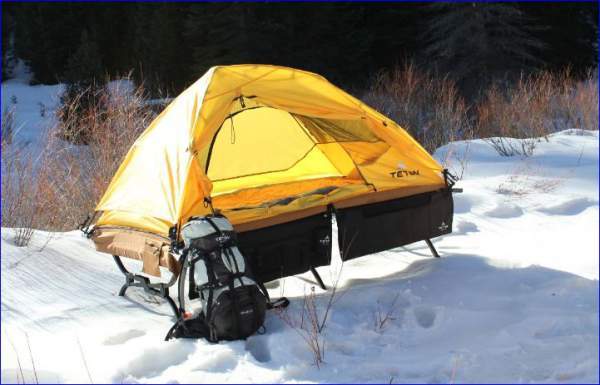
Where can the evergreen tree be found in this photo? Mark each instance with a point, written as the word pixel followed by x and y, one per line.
pixel 9 59
pixel 45 36
pixel 395 33
pixel 83 77
pixel 219 34
pixel 8 44
pixel 330 39
pixel 84 66
pixel 570 34
pixel 476 42
pixel 113 30
pixel 169 45
pixel 160 52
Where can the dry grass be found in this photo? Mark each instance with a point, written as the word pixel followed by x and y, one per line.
pixel 533 108
pixel 8 125
pixel 75 176
pixel 56 187
pixel 529 178
pixel 427 106
pixel 21 210
pixel 430 108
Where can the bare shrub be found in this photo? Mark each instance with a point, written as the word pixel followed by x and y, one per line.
pixel 384 315
pixel 78 103
pixel 20 207
pixel 518 112
pixel 8 125
pixel 333 296
pixel 75 176
pixel 534 107
pixel 528 178
pixel 457 160
pixel 510 147
pixel 577 104
pixel 429 107
pixel 58 185
pixel 307 325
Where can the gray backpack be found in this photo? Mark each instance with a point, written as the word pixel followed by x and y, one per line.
pixel 233 302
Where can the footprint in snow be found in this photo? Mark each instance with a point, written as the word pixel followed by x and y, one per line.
pixel 505 210
pixel 257 346
pixel 425 316
pixel 570 207
pixel 123 337
pixel 464 227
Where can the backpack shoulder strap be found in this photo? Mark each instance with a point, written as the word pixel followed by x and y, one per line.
pixel 191 328
pixel 278 303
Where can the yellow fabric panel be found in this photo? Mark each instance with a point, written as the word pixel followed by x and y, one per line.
pixel 151 180
pixel 398 138
pixel 131 220
pixel 393 170
pixel 296 91
pixel 194 203
pixel 340 159
pixel 363 153
pixel 312 166
pixel 257 141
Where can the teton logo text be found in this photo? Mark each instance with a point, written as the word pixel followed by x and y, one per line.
pixel 404 173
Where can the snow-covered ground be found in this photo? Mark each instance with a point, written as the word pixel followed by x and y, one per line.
pixel 514 297
pixel 32 107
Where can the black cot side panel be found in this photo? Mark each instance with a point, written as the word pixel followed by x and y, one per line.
pixel 385 225
pixel 289 248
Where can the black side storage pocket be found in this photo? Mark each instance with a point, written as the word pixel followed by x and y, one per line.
pixel 385 225
pixel 288 248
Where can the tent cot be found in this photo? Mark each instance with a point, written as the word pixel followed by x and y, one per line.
pixel 278 151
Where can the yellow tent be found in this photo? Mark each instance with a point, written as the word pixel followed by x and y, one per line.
pixel 268 145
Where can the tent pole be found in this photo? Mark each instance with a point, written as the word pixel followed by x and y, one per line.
pixel 318 278
pixel 433 250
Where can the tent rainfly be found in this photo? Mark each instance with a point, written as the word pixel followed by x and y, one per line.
pixel 278 151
